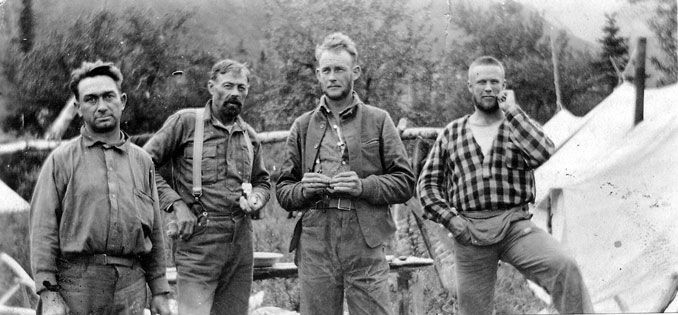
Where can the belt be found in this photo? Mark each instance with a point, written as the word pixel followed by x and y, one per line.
pixel 103 259
pixel 483 214
pixel 334 203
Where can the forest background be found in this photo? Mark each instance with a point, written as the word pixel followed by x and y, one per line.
pixel 414 56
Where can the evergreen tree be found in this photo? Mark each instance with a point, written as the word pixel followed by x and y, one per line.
pixel 615 52
pixel 516 36
pixel 664 24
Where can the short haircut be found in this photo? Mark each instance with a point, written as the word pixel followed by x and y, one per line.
pixel 93 69
pixel 335 42
pixel 227 65
pixel 486 61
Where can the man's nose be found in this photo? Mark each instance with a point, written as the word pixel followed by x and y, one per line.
pixel 331 76
pixel 101 106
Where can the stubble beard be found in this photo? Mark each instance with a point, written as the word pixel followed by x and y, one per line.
pixel 485 109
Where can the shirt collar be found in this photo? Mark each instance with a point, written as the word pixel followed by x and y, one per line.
pixel 91 140
pixel 348 111
pixel 238 125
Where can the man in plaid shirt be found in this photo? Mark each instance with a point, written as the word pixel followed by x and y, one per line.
pixel 478 181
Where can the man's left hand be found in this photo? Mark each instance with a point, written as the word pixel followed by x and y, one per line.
pixel 252 203
pixel 160 305
pixel 346 182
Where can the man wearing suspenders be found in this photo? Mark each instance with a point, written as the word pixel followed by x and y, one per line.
pixel 218 180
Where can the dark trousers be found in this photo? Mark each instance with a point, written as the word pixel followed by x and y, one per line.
pixel 536 254
pixel 335 260
pixel 214 267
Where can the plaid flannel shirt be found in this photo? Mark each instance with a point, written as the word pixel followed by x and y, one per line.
pixel 456 177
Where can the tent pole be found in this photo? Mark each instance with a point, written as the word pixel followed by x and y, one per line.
pixel 639 79
pixel 556 73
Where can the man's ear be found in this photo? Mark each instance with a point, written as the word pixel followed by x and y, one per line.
pixel 356 72
pixel 468 85
pixel 77 107
pixel 317 73
pixel 123 100
pixel 210 86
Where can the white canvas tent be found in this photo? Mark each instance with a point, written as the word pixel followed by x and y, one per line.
pixel 612 192
pixel 562 126
pixel 10 201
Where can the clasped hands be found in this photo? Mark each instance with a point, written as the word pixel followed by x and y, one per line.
pixel 314 184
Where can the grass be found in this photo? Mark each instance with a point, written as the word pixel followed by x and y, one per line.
pixel 272 234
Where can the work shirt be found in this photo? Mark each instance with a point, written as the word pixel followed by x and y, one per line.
pixel 231 155
pixel 457 177
pixel 96 198
pixel 333 154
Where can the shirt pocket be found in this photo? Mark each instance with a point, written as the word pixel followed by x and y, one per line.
pixel 514 157
pixel 144 207
pixel 208 167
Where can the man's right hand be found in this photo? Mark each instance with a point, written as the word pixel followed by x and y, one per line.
pixel 186 220
pixel 456 225
pixel 313 184
pixel 53 303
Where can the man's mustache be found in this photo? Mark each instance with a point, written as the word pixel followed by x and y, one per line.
pixel 233 100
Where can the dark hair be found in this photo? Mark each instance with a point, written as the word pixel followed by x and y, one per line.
pixel 228 65
pixel 337 41
pixel 93 69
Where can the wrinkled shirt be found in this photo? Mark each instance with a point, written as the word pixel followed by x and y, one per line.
pixel 230 156
pixel 333 157
pixel 457 177
pixel 96 198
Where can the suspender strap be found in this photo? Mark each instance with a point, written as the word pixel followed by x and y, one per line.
pixel 197 152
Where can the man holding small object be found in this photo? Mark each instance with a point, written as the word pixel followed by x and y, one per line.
pixel 218 180
pixel 345 164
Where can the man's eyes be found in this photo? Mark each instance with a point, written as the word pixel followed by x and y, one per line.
pixel 230 86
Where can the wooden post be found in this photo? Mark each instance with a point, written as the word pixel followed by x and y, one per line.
pixel 639 79
pixel 404 277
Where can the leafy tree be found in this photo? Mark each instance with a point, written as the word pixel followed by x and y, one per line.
pixel 664 25
pixel 147 50
pixel 516 36
pixel 391 47
pixel 615 49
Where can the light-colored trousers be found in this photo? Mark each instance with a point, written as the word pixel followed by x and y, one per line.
pixel 536 254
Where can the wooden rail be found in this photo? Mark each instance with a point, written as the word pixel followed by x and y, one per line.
pixel 266 137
